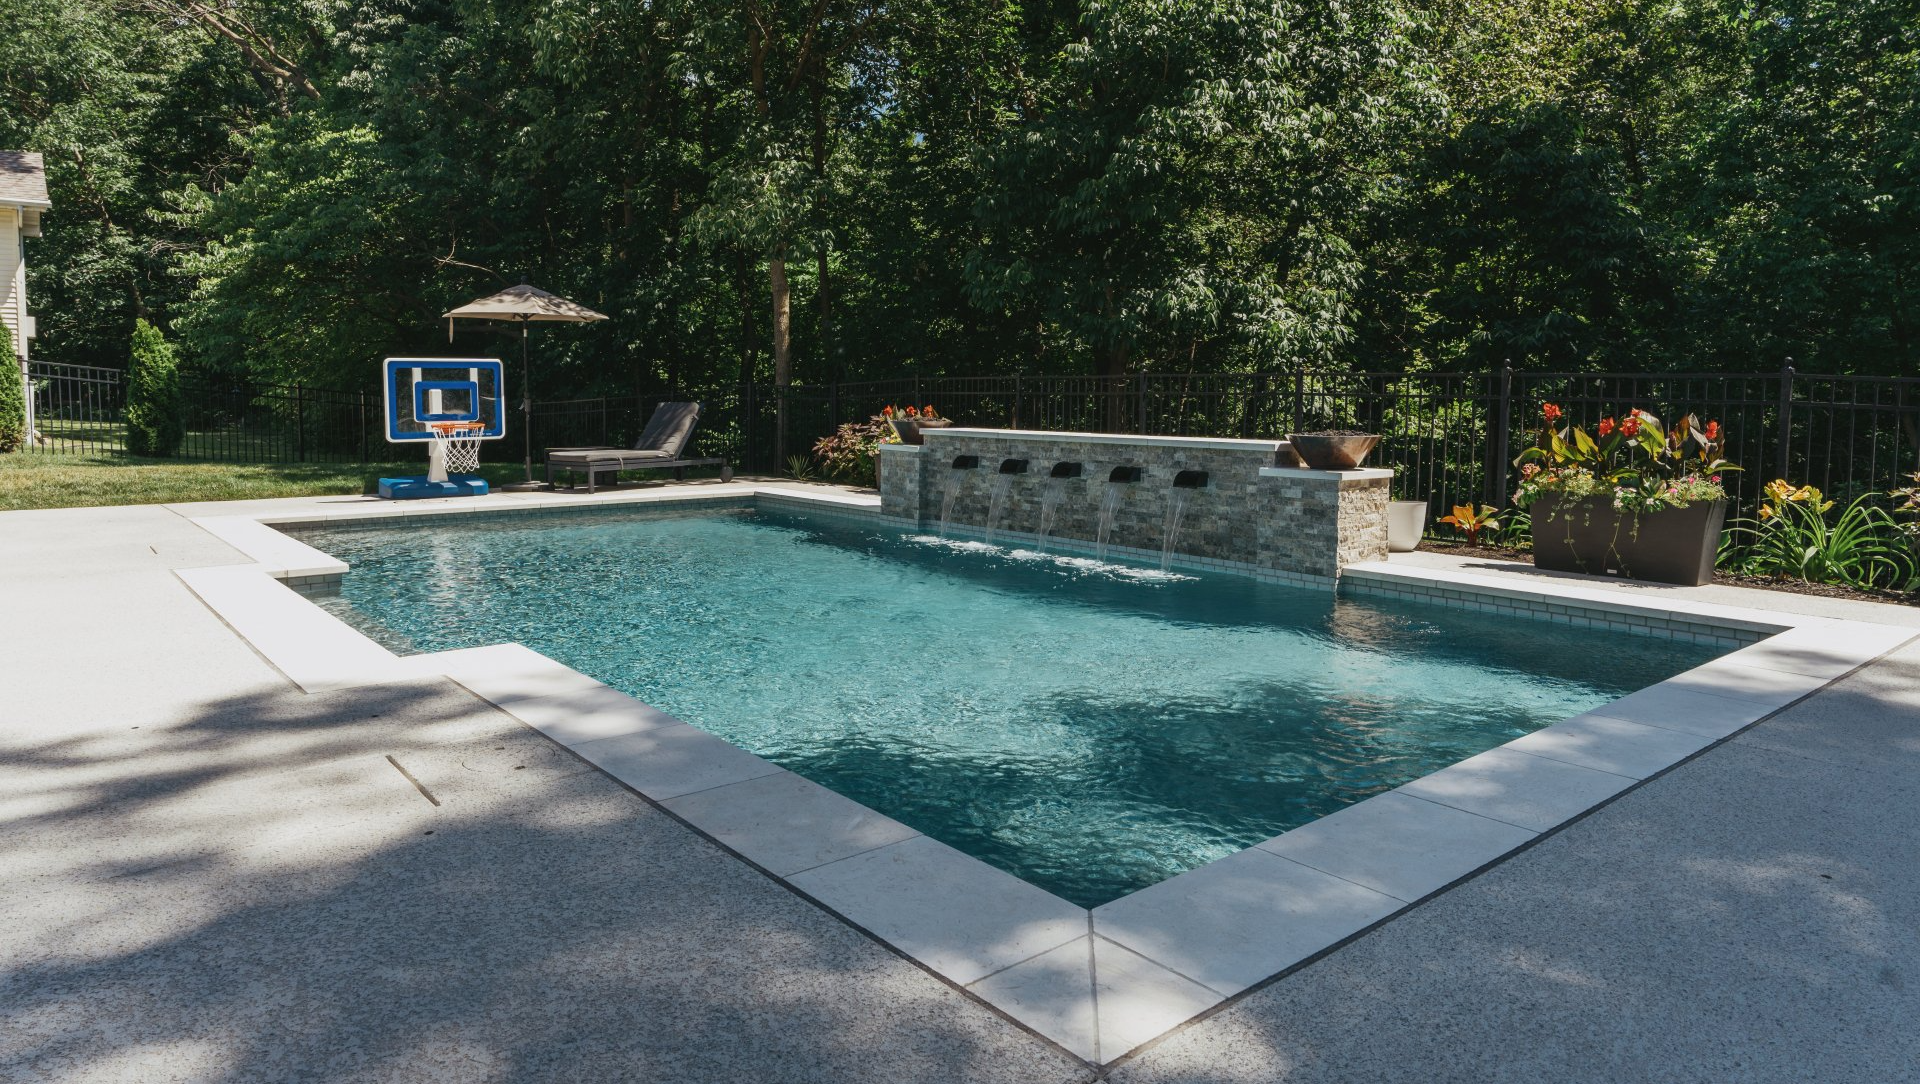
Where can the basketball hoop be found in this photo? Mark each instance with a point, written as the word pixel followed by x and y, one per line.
pixel 450 405
pixel 456 447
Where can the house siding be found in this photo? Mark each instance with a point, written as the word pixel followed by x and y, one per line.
pixel 13 280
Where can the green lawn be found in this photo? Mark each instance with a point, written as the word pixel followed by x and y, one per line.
pixel 45 480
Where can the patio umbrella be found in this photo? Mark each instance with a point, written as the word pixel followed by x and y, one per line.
pixel 524 304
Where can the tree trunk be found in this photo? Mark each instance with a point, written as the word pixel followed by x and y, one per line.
pixel 828 349
pixel 782 349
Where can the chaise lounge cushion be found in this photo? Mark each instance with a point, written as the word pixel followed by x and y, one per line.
pixel 665 438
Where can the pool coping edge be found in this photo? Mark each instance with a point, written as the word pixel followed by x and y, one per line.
pixel 1201 936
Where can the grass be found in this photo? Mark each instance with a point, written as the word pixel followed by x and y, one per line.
pixel 51 480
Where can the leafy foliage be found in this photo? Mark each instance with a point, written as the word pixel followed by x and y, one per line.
pixel 13 398
pixel 153 395
pixel 848 454
pixel 1634 462
pixel 849 191
pixel 1470 521
pixel 1794 537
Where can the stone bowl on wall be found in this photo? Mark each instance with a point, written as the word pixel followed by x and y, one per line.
pixel 1333 451
pixel 910 429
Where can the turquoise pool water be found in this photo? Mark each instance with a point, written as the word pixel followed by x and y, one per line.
pixel 1091 728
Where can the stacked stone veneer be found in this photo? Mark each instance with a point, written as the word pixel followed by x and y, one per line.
pixel 1284 522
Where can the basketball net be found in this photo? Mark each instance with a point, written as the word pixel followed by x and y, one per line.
pixel 455 449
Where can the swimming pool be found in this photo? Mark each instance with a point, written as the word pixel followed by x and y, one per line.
pixel 1091 728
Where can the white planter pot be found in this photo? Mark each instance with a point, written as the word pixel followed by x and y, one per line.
pixel 1405 522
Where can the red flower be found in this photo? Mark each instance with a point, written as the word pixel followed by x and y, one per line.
pixel 886 412
pixel 912 413
pixel 1605 427
pixel 1551 411
pixel 1713 431
pixel 927 411
pixel 1631 426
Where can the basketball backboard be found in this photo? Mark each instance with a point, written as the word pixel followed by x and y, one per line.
pixel 422 391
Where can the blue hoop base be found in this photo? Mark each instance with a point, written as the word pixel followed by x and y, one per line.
pixel 415 487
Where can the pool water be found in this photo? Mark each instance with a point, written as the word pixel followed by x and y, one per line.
pixel 1089 727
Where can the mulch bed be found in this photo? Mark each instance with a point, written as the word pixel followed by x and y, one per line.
pixel 1730 579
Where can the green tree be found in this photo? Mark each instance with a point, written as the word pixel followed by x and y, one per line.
pixel 153 394
pixel 139 120
pixel 13 399
pixel 1519 244
pixel 1185 188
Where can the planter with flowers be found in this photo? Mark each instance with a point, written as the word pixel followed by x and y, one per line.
pixel 1635 497
pixel 908 424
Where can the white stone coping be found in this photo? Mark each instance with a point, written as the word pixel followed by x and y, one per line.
pixel 1099 983
pixel 1358 474
pixel 1215 443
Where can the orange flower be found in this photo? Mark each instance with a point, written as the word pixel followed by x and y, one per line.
pixel 1605 427
pixel 1631 426
pixel 886 412
pixel 912 413
pixel 1551 411
pixel 927 412
pixel 1713 431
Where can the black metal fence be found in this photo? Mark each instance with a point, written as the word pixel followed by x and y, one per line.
pixel 82 409
pixel 1451 436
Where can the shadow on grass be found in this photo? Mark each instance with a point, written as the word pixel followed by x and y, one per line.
pixel 257 894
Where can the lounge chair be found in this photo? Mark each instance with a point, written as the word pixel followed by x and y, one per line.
pixel 662 446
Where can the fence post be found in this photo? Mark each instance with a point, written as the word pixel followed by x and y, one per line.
pixel 1016 400
pixel 748 419
pixel 1502 442
pixel 833 404
pixel 1142 382
pixel 1299 398
pixel 1785 442
pixel 363 428
pixel 299 424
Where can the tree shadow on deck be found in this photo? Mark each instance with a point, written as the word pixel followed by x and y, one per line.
pixel 259 894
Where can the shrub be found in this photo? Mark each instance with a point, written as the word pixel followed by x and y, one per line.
pixel 153 394
pixel 848 454
pixel 1792 538
pixel 13 399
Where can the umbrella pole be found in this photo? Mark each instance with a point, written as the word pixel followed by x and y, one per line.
pixel 526 404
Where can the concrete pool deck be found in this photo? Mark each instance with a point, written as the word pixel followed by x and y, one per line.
pixel 243 889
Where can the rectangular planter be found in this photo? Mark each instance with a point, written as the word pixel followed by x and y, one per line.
pixel 1673 545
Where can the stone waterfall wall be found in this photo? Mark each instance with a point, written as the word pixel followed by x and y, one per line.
pixel 1283 523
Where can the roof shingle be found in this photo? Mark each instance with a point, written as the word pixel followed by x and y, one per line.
pixel 23 179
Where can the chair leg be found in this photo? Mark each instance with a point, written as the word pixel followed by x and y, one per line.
pixel 592 477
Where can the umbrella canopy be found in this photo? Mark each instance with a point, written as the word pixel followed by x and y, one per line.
pixel 525 304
